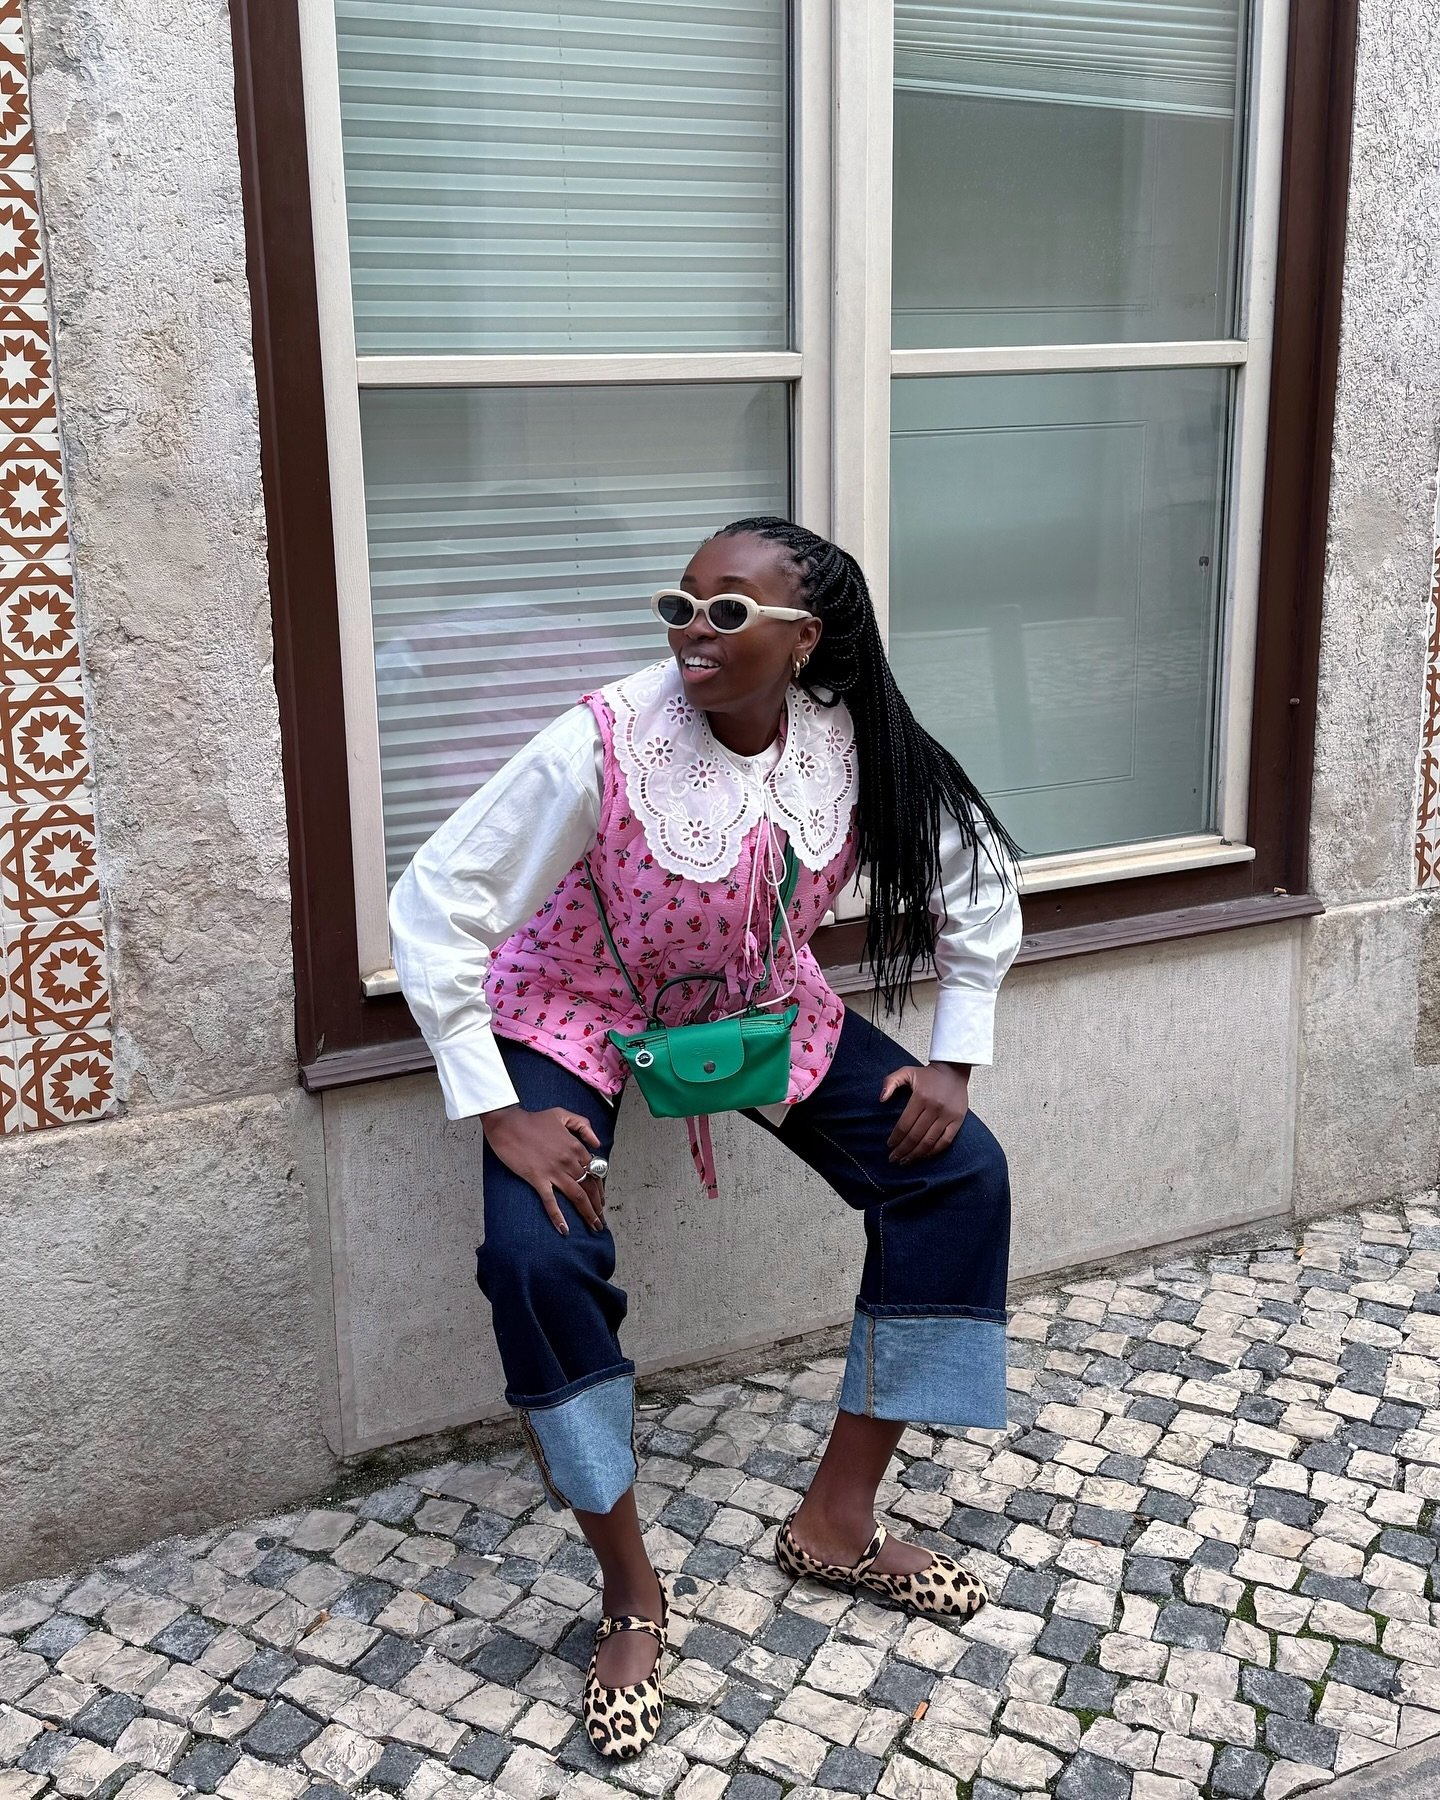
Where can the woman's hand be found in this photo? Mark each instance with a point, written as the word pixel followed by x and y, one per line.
pixel 551 1150
pixel 939 1100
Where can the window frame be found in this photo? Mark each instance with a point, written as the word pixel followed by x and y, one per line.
pixel 841 485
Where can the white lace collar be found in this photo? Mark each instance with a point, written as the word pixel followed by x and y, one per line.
pixel 697 802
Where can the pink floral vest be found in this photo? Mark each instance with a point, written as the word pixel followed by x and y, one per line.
pixel 674 862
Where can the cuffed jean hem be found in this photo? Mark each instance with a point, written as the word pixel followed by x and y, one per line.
pixel 927 1368
pixel 584 1447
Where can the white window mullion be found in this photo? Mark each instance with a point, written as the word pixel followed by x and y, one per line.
pixel 321 76
pixel 863 78
pixel 1051 359
pixel 1260 253
pixel 575 370
pixel 813 101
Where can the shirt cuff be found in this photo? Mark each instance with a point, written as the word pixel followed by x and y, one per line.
pixel 473 1077
pixel 964 1028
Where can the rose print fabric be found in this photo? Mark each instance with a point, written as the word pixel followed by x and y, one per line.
pixel 554 986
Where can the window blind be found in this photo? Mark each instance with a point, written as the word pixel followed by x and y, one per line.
pixel 602 175
pixel 515 539
pixel 1175 56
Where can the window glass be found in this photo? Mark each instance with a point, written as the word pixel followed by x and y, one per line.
pixel 1064 172
pixel 1055 583
pixel 603 175
pixel 516 535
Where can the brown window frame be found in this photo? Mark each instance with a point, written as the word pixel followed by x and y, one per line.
pixel 343 1037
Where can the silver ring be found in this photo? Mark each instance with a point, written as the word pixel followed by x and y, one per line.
pixel 599 1168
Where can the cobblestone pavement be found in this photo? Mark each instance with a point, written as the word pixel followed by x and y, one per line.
pixel 1210 1532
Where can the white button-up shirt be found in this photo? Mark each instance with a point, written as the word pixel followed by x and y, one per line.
pixel 492 865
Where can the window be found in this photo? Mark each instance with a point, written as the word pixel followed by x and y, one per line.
pixel 1082 345
pixel 995 296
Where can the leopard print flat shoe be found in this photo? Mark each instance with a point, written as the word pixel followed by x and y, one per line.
pixel 622 1721
pixel 945 1590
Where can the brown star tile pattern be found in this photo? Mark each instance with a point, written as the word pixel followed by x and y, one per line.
pixel 56 978
pixel 8 1025
pixel 32 500
pixel 38 637
pixel 56 1049
pixel 9 1095
pixel 22 268
pixel 27 387
pixel 47 864
pixel 17 138
pixel 64 1079
pixel 42 742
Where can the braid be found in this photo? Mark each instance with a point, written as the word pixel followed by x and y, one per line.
pixel 908 781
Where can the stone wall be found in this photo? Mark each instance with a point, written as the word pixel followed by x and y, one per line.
pixel 161 1358
pixel 1369 1123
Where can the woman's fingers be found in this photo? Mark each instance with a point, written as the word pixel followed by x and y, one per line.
pixel 552 1208
pixel 932 1142
pixel 583 1130
pixel 909 1125
pixel 940 1136
pixel 893 1083
pixel 595 1188
pixel 583 1204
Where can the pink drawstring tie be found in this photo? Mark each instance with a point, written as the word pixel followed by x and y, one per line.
pixel 702 1151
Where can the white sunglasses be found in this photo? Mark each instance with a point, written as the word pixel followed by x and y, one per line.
pixel 726 613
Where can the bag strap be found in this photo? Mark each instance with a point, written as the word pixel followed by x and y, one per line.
pixel 610 941
pixel 787 893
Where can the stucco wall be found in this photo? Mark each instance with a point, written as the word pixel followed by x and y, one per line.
pixel 1369 1123
pixel 161 1360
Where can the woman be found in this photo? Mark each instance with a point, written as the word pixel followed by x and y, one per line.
pixel 777 722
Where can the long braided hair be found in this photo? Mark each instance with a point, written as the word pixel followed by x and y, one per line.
pixel 907 779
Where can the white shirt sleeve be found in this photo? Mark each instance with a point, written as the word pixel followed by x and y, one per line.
pixel 488 869
pixel 976 941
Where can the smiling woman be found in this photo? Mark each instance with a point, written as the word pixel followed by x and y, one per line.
pixel 649 871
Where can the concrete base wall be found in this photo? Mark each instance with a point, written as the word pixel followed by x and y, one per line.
pixel 1143 1097
pixel 165 1360
pixel 1369 1123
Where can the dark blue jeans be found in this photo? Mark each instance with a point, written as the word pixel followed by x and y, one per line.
pixel 928 1340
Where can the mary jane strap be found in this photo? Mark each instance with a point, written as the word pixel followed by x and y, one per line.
pixel 628 1622
pixel 871 1554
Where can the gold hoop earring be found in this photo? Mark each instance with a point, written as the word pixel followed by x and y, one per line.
pixel 800 662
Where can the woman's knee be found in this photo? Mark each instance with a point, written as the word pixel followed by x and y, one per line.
pixel 520 1269
pixel 983 1155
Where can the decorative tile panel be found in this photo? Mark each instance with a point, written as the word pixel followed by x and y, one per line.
pixel 1427 824
pixel 9 1090
pixel 38 639
pixel 57 1062
pixel 17 140
pixel 47 864
pixel 22 270
pixel 56 978
pixel 42 742
pixel 27 382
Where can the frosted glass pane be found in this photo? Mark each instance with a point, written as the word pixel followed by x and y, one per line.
pixel 1065 170
pixel 516 536
pixel 1055 584
pixel 602 175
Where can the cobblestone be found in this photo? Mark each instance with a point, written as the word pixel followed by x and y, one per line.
pixel 1212 1534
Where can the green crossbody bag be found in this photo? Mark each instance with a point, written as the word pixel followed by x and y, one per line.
pixel 688 1071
